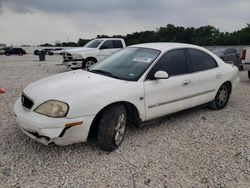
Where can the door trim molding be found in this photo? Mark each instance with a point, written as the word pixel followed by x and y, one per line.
pixel 182 98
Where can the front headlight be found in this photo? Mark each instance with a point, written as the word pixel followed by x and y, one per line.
pixel 53 108
pixel 77 56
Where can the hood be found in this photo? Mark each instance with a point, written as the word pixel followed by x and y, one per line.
pixel 219 52
pixel 68 87
pixel 78 50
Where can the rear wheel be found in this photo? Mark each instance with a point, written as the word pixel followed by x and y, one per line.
pixel 221 98
pixel 112 127
pixel 249 75
pixel 20 54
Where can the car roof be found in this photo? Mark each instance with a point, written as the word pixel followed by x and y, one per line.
pixel 108 39
pixel 163 46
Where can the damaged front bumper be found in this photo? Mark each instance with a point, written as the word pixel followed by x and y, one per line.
pixel 73 63
pixel 47 130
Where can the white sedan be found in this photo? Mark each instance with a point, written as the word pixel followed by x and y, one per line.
pixel 137 84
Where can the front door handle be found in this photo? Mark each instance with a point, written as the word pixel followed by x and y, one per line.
pixel 186 82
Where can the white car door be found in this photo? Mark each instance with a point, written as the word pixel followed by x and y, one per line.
pixel 206 76
pixel 106 49
pixel 165 96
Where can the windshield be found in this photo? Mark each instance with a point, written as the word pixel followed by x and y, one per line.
pixel 219 51
pixel 127 64
pixel 93 44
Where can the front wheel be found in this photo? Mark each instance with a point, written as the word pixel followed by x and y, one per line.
pixel 112 127
pixel 221 98
pixel 88 63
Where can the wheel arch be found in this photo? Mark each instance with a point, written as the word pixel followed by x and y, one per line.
pixel 229 85
pixel 132 112
pixel 90 57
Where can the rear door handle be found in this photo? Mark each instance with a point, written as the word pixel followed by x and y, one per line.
pixel 186 82
pixel 218 75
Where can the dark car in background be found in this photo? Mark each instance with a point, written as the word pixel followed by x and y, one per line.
pixel 15 51
pixel 229 55
pixel 3 50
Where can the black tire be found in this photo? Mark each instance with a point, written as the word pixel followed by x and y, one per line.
pixel 241 68
pixel 112 127
pixel 88 62
pixel 7 53
pixel 249 75
pixel 20 54
pixel 221 98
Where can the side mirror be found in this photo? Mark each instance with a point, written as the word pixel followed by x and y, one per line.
pixel 161 75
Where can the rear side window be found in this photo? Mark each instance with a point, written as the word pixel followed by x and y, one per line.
pixel 201 61
pixel 173 62
pixel 117 44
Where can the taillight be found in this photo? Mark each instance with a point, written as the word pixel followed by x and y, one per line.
pixel 243 55
pixel 2 90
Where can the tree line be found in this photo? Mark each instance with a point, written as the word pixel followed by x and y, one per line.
pixel 203 36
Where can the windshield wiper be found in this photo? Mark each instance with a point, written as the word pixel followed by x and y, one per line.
pixel 105 73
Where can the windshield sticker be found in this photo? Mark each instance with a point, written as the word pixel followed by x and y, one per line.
pixel 142 59
pixel 131 74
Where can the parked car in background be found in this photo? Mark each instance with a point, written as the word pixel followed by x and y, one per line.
pixel 56 51
pixel 15 51
pixel 245 57
pixel 135 85
pixel 3 50
pixel 45 50
pixel 229 55
pixel 92 52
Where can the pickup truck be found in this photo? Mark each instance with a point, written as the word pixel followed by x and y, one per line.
pixel 245 57
pixel 92 52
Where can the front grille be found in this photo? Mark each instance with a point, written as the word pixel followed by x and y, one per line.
pixel 67 56
pixel 26 102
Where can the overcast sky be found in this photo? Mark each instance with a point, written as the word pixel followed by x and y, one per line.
pixel 39 21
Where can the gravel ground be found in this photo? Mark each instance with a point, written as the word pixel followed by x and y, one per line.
pixel 196 148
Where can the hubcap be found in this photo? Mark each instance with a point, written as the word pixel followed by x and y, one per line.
pixel 222 95
pixel 89 63
pixel 120 129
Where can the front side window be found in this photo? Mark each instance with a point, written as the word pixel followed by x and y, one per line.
pixel 126 64
pixel 93 44
pixel 107 45
pixel 173 62
pixel 201 61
